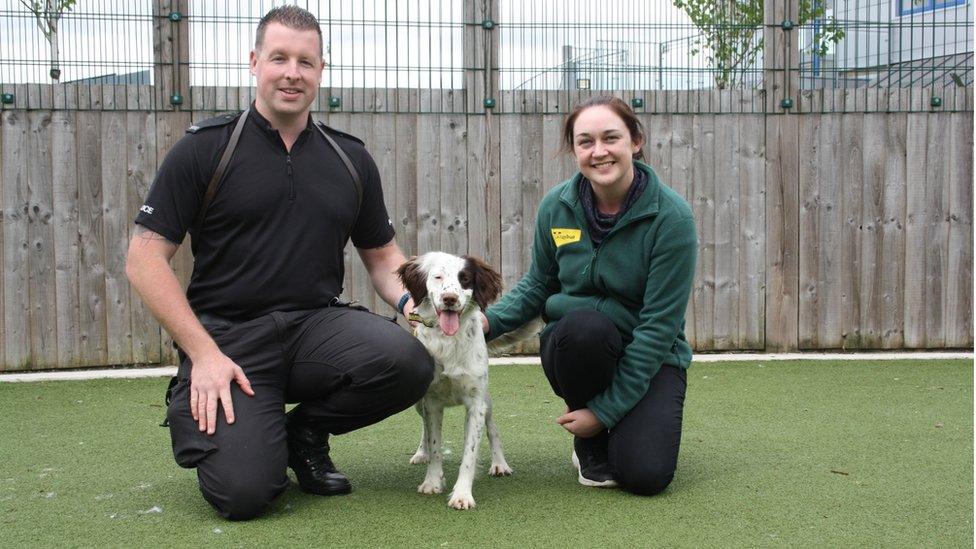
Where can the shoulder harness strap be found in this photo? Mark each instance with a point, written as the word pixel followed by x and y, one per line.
pixel 349 166
pixel 218 174
pixel 225 158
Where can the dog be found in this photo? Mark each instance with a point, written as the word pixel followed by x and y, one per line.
pixel 449 292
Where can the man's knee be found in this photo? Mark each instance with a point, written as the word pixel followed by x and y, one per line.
pixel 414 370
pixel 644 479
pixel 241 497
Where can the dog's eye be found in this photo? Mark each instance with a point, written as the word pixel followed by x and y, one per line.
pixel 438 277
pixel 463 277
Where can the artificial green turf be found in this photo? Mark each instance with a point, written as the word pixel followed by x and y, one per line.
pixel 776 453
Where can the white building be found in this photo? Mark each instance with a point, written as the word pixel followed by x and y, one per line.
pixel 894 43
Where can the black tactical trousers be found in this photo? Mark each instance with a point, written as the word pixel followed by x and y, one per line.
pixel 346 367
pixel 579 356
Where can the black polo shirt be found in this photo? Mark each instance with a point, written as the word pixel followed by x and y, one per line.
pixel 274 234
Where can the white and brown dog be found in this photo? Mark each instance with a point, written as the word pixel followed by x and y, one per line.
pixel 449 292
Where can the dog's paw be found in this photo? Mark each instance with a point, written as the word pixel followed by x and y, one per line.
pixel 430 487
pixel 499 470
pixel 419 457
pixel 461 501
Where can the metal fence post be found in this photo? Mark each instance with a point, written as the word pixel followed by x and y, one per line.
pixel 781 178
pixel 171 54
pixel 480 54
pixel 781 54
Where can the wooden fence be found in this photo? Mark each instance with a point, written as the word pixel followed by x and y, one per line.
pixel 818 231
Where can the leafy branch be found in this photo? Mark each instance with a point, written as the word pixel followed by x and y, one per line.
pixel 731 33
pixel 47 15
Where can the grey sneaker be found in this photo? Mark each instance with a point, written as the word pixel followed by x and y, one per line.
pixel 591 462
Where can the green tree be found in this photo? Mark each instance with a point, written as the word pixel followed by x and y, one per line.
pixel 47 15
pixel 731 33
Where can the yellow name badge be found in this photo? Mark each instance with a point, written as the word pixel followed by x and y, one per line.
pixel 565 236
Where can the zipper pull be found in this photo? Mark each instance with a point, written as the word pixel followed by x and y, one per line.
pixel 291 179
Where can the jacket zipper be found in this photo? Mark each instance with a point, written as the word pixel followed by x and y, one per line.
pixel 291 178
pixel 596 253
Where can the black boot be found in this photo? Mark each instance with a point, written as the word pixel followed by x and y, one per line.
pixel 592 462
pixel 308 456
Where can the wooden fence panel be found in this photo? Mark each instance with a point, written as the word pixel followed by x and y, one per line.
pixel 477 182
pixel 851 228
pixel 959 290
pixel 483 198
pixel 43 286
pixel 91 270
pixel 64 174
pixel 726 235
pixel 782 237
pixel 556 167
pixel 809 231
pixel 915 256
pixel 382 146
pixel 815 231
pixel 657 152
pixel 936 227
pixel 533 185
pixel 454 183
pixel 831 211
pixel 681 179
pixel 3 176
pixel 16 295
pixel 821 239
pixel 893 233
pixel 405 209
pixel 871 260
pixel 512 189
pixel 116 222
pixel 428 213
pixel 752 229
pixel 703 292
pixel 493 165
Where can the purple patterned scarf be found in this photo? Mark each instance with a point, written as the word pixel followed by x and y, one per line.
pixel 600 223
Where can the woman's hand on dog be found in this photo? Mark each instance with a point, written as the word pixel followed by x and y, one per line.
pixel 582 423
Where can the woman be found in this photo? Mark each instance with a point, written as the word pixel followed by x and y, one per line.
pixel 612 268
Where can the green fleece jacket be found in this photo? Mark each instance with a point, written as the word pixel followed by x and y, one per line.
pixel 640 277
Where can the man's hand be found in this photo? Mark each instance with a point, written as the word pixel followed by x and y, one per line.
pixel 209 383
pixel 582 423
pixel 484 323
pixel 149 272
pixel 407 309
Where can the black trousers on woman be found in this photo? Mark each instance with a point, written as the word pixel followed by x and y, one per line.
pixel 579 356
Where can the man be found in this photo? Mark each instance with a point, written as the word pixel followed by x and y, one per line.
pixel 260 324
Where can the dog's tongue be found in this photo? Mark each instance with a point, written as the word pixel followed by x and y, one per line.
pixel 449 321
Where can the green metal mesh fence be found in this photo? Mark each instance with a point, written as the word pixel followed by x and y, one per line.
pixel 506 55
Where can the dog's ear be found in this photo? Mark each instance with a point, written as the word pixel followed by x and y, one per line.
pixel 414 279
pixel 485 281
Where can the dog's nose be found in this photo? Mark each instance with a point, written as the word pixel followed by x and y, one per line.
pixel 450 300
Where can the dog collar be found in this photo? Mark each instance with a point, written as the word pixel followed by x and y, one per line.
pixel 429 322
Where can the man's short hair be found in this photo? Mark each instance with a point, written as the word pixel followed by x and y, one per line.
pixel 292 17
